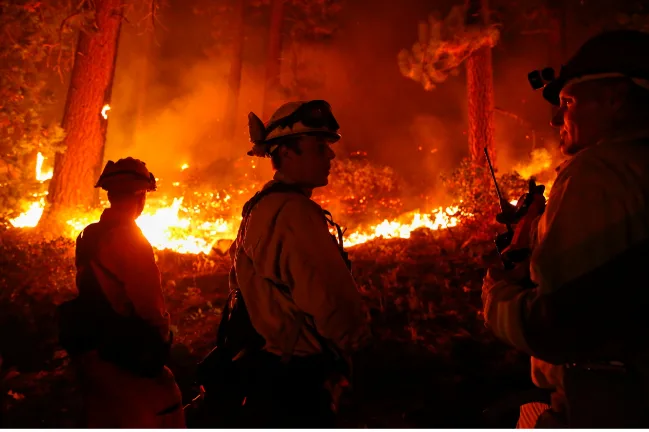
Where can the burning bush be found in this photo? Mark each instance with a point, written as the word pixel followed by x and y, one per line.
pixel 361 192
pixel 473 187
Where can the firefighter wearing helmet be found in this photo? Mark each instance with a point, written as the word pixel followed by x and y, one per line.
pixel 117 329
pixel 294 314
pixel 585 322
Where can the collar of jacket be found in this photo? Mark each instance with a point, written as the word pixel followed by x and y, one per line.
pixel 279 177
pixel 638 135
pixel 114 215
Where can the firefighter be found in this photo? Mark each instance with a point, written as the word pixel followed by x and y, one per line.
pixel 292 280
pixel 121 309
pixel 585 322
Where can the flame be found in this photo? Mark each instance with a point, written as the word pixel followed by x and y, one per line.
pixel 174 223
pixel 40 175
pixel 438 219
pixel 30 217
pixel 541 161
pixel 104 111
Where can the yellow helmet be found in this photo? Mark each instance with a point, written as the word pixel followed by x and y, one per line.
pixel 292 119
pixel 126 176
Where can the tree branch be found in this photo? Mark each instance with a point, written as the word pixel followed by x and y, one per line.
pixel 64 23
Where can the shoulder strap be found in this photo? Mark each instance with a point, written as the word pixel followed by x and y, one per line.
pixel 338 238
pixel 235 295
pixel 300 318
pixel 277 187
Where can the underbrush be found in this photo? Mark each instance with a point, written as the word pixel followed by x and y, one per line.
pixel 435 363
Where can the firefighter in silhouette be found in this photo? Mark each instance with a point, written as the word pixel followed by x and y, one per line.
pixel 117 329
pixel 585 324
pixel 294 316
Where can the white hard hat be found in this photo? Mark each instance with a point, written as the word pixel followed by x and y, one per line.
pixel 292 119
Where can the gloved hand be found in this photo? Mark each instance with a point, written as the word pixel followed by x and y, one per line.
pixel 498 282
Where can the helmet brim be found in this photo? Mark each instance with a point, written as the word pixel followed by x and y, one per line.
pixel 324 132
pixel 124 184
pixel 261 149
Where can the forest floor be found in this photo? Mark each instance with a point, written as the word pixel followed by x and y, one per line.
pixel 437 365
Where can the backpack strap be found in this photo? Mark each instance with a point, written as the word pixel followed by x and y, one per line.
pixel 300 318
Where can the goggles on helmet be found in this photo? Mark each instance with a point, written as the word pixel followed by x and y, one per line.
pixel 313 114
pixel 540 78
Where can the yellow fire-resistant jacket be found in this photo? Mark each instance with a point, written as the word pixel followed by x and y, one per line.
pixel 590 264
pixel 126 270
pixel 290 263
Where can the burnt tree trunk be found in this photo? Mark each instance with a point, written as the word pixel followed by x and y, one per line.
pixel 480 89
pixel 234 79
pixel 273 57
pixel 76 170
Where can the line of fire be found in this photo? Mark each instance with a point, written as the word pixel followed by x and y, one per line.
pixel 440 135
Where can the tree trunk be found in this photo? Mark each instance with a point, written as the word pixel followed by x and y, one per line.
pixel 273 57
pixel 480 89
pixel 236 65
pixel 143 85
pixel 76 170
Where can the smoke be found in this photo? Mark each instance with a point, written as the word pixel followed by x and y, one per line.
pixel 182 130
pixel 169 113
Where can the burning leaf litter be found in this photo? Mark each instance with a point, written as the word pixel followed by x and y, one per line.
pixel 172 223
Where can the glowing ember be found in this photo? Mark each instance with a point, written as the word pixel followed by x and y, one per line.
pixel 184 167
pixel 40 175
pixel 104 111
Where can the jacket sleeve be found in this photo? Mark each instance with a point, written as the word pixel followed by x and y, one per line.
pixel 586 268
pixel 320 282
pixel 129 257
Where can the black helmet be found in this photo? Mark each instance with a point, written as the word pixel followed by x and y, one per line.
pixel 127 175
pixel 619 53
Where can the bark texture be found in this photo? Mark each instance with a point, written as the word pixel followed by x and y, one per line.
pixel 76 170
pixel 480 89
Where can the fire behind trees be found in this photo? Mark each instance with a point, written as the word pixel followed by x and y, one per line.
pixel 76 169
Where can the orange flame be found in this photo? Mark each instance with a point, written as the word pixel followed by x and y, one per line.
pixel 41 175
pixel 169 224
